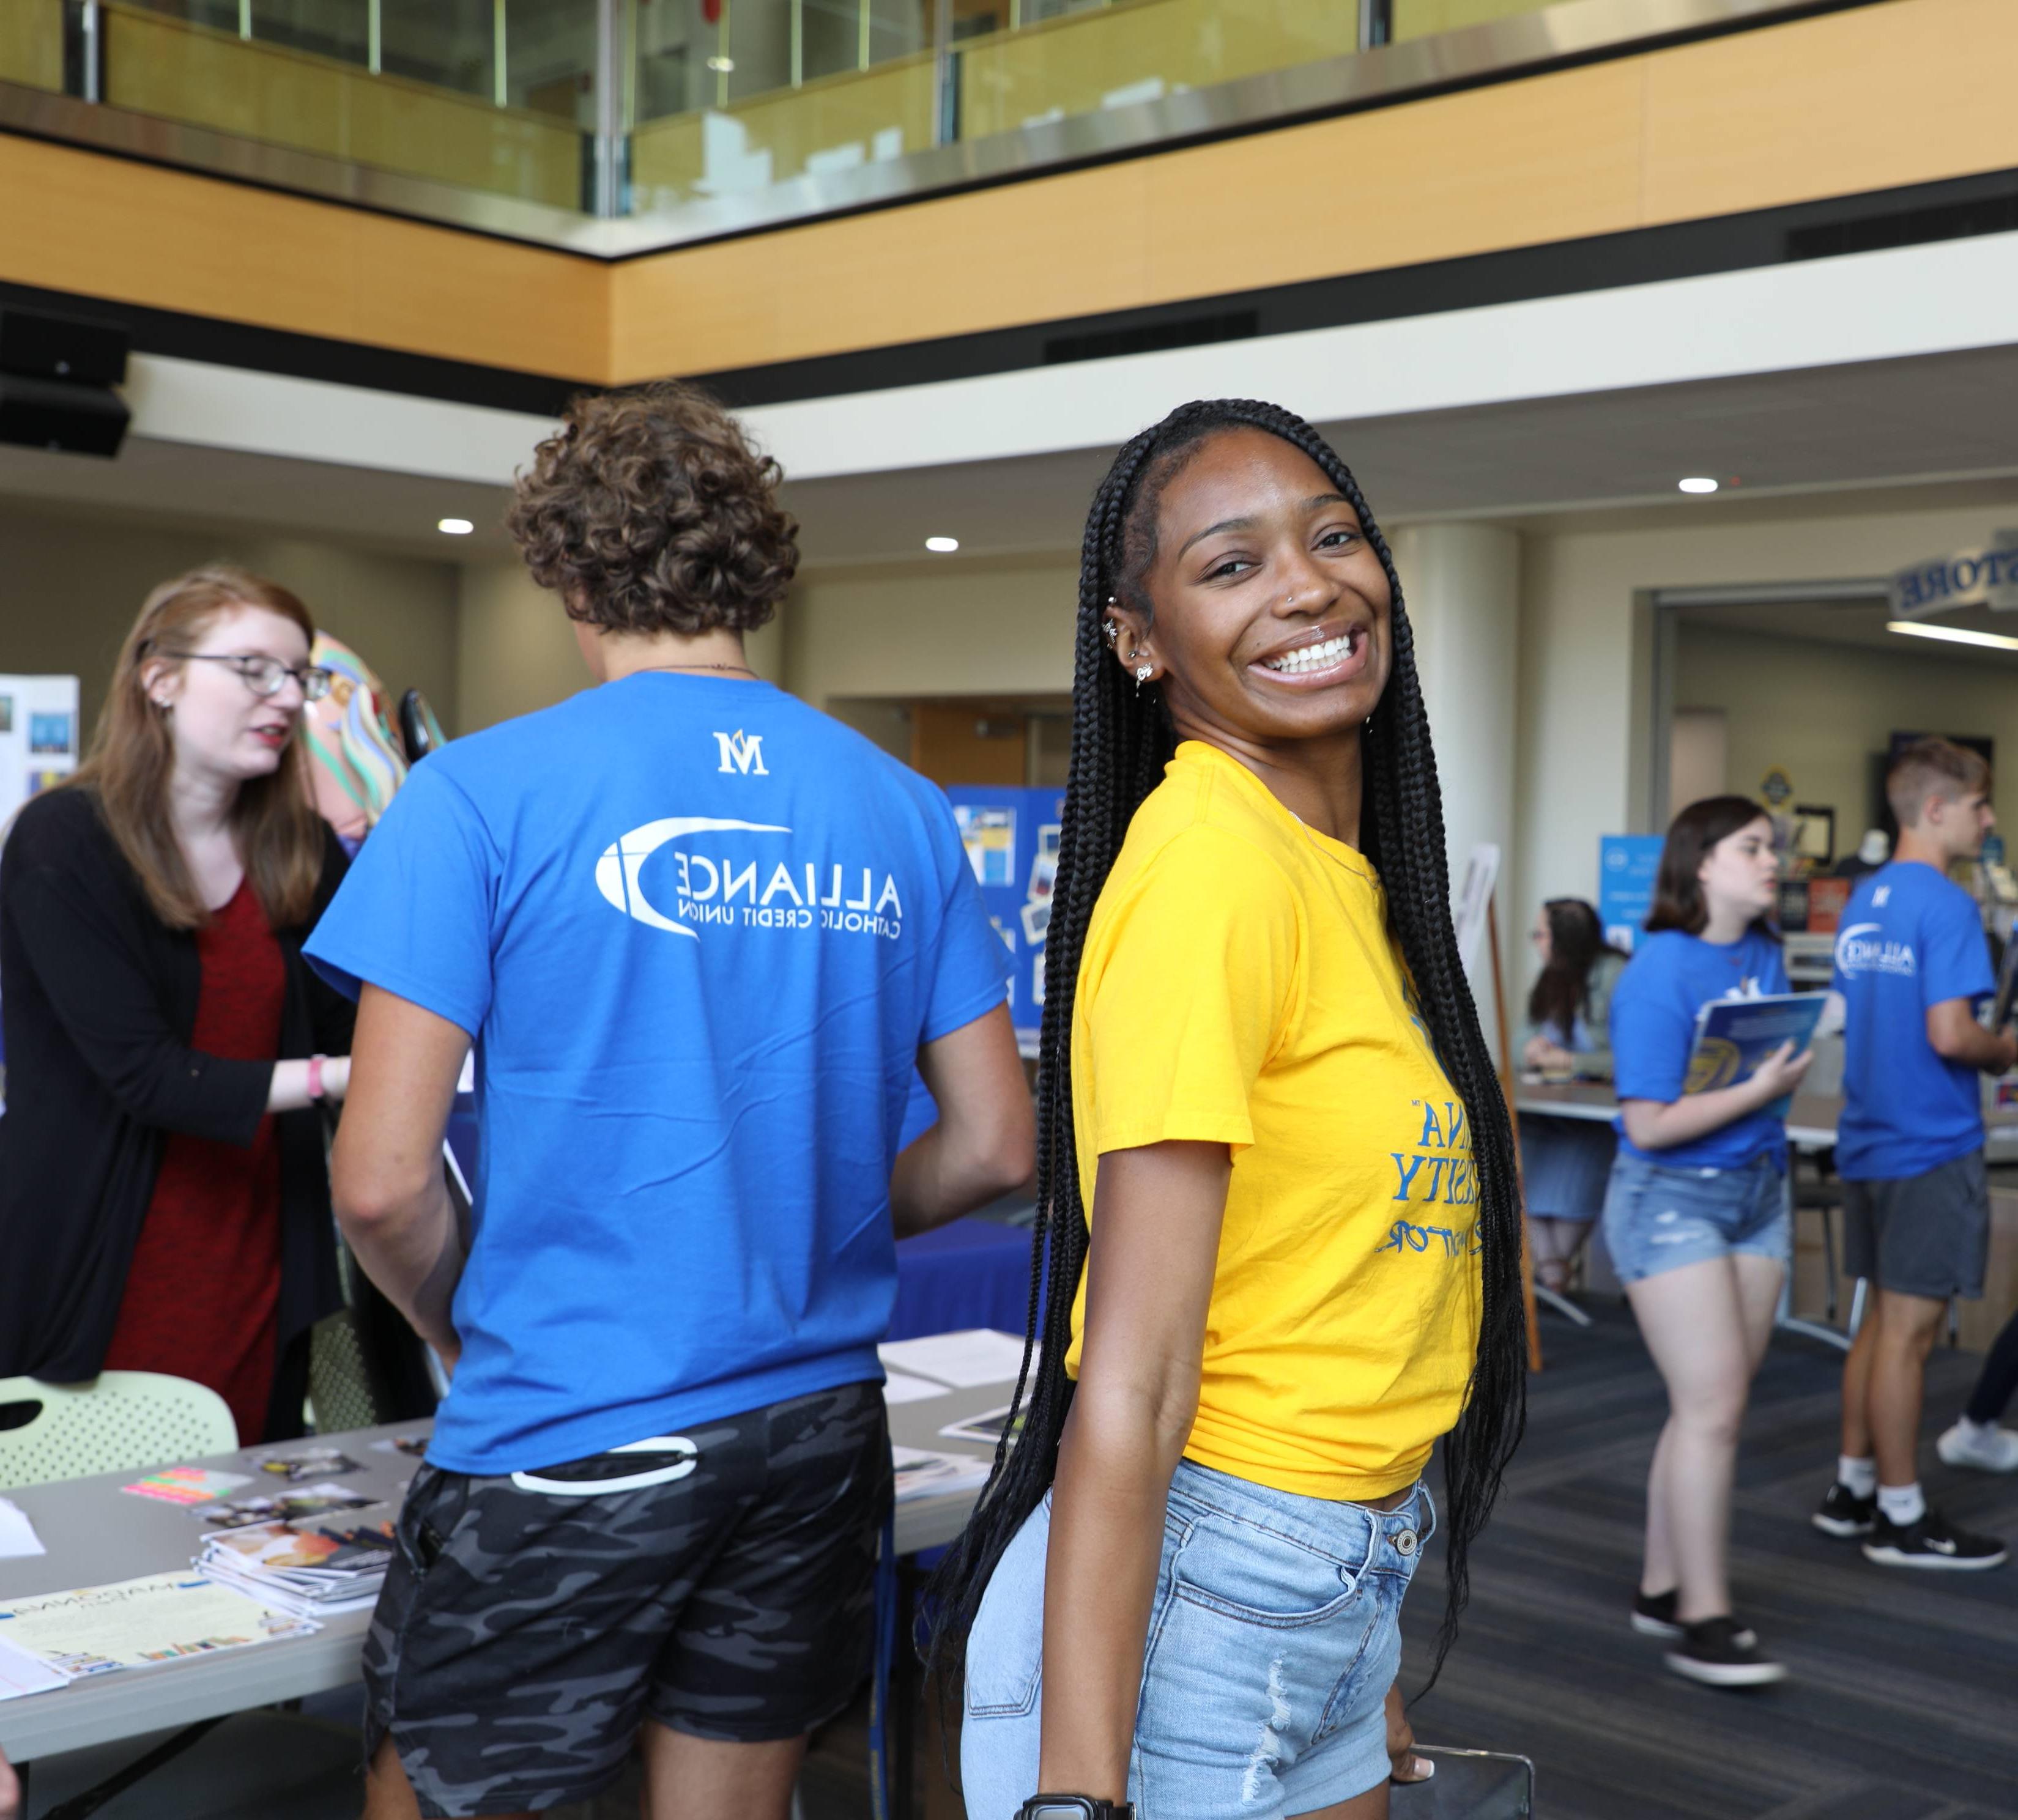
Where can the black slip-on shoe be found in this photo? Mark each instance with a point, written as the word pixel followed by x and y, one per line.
pixel 1720 1652
pixel 1653 1614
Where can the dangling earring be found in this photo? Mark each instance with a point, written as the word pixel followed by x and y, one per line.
pixel 1143 673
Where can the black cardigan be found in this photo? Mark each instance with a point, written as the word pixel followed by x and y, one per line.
pixel 99 997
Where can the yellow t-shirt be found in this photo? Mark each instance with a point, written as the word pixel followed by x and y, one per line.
pixel 1239 985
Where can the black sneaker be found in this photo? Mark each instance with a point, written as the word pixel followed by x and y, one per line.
pixel 1721 1653
pixel 1843 1513
pixel 1653 1614
pixel 1934 1541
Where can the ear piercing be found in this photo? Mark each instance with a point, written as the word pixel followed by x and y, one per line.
pixel 1143 673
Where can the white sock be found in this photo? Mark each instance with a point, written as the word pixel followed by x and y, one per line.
pixel 1901 1505
pixel 1858 1477
pixel 1975 1431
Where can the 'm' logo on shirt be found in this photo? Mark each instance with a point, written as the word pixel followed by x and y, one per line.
pixel 742 753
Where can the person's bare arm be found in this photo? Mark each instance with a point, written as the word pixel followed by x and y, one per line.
pixel 1538 1052
pixel 1155 1241
pixel 385 1171
pixel 10 1790
pixel 984 1144
pixel 1654 1124
pixel 290 1088
pixel 1957 1037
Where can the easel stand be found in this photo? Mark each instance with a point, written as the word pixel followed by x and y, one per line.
pixel 1513 1119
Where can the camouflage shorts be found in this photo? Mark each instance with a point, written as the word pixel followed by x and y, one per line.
pixel 522 1636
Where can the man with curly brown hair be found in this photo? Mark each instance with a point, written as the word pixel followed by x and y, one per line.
pixel 702 938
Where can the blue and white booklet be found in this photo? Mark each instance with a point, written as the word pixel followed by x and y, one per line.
pixel 1734 1036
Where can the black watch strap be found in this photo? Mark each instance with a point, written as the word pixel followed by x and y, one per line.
pixel 1073 1808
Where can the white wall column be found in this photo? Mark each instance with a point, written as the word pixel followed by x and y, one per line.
pixel 1463 585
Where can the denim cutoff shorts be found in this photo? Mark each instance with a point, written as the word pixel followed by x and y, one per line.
pixel 1273 1640
pixel 1658 1218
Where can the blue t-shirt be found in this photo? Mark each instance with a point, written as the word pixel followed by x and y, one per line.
pixel 1670 978
pixel 699 932
pixel 1908 939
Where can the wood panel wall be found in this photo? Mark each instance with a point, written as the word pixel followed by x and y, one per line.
pixel 100 226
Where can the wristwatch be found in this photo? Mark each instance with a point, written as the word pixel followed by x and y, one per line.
pixel 1073 1808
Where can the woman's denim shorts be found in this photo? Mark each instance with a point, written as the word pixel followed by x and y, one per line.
pixel 1657 1218
pixel 1273 1640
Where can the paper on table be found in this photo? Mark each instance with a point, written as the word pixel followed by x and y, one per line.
pixel 17 1534
pixel 987 1428
pixel 161 1617
pixel 23 1673
pixel 900 1387
pixel 978 1356
pixel 920 1474
pixel 186 1485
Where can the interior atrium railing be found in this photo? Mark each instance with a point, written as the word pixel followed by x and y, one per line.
pixel 734 111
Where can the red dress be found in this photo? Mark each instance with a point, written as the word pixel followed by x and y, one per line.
pixel 204 1291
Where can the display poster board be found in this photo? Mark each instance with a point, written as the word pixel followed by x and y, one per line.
pixel 1627 865
pixel 1474 899
pixel 39 737
pixel 1011 837
pixel 38 741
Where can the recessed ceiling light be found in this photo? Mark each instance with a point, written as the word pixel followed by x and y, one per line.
pixel 455 527
pixel 1952 634
pixel 1697 483
pixel 944 545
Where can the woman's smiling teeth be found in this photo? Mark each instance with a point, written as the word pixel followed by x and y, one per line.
pixel 1313 656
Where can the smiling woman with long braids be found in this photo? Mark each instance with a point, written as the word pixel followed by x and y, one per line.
pixel 1278 1230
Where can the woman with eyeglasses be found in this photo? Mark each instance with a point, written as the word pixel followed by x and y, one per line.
pixel 164 1202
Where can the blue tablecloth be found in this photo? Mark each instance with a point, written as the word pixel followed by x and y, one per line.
pixel 973 1273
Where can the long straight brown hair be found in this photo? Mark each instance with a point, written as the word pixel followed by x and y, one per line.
pixel 132 757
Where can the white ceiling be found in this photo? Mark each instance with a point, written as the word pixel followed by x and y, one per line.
pixel 1934 424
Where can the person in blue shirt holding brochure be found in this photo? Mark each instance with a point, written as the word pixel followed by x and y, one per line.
pixel 702 939
pixel 1912 964
pixel 1696 1216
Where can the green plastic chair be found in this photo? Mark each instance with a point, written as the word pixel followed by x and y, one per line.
pixel 122 1421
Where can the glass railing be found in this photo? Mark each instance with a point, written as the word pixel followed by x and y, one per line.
pixel 639 107
pixel 1139 50
pixel 31 45
pixel 488 95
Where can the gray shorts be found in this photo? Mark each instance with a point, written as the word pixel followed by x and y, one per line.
pixel 523 1634
pixel 1920 1235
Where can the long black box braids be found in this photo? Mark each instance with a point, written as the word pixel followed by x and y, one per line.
pixel 1121 741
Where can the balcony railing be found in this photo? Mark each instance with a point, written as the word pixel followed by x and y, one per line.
pixel 616 124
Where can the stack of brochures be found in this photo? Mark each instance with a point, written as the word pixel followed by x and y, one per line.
pixel 921 1473
pixel 52 1639
pixel 309 1569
